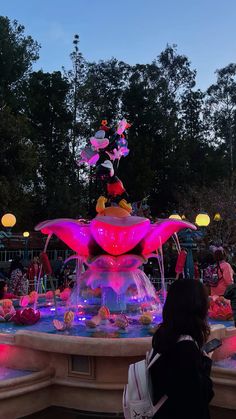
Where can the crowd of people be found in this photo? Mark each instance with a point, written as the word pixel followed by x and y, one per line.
pixel 21 280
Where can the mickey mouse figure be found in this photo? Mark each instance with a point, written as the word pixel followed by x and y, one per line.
pixel 109 142
pixel 116 193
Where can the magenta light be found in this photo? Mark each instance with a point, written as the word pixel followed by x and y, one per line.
pixel 74 233
pixel 160 232
pixel 119 235
pixel 113 235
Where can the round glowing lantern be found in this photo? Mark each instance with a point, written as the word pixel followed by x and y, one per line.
pixel 26 234
pixel 217 217
pixel 175 216
pixel 202 219
pixel 8 220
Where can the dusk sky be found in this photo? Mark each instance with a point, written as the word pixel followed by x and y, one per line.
pixel 135 31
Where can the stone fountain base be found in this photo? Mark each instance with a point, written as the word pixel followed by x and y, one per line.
pixel 86 374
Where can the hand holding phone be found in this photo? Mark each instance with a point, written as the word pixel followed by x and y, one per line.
pixel 212 345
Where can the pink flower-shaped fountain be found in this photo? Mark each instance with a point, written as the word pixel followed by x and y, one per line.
pixel 113 248
pixel 113 235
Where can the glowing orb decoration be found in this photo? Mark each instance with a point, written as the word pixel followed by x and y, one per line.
pixel 217 217
pixel 175 216
pixel 8 220
pixel 202 219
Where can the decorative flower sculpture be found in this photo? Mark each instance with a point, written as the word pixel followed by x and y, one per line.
pixel 27 316
pixel 113 235
pixel 6 313
pixel 220 309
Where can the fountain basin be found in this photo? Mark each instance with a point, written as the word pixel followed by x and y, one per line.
pixel 87 374
pixel 224 372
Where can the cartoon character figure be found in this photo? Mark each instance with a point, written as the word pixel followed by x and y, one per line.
pixel 109 142
pixel 116 192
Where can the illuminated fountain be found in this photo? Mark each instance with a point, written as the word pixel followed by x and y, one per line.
pixel 112 292
pixel 113 249
pixel 115 244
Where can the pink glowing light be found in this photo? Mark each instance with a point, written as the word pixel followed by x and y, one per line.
pixel 119 235
pixel 110 263
pixel 160 232
pixel 76 234
pixel 113 235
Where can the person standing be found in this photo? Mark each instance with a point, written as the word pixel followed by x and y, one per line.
pixel 182 372
pixel 33 272
pixel 224 272
pixel 17 282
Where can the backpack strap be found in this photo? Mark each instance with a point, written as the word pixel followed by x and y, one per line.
pixel 185 337
pixel 151 362
pixel 160 403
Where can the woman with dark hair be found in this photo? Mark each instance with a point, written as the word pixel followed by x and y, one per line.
pixel 182 371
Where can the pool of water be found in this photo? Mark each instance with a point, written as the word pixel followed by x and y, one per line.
pixel 229 363
pixel 107 329
pixel 226 323
pixel 7 373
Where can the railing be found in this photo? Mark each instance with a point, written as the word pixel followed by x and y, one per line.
pixel 158 283
pixel 9 255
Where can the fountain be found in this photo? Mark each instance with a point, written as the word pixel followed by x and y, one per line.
pixel 77 354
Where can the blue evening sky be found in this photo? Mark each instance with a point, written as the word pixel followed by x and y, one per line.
pixel 134 31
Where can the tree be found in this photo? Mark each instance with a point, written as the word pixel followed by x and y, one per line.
pixel 221 115
pixel 17 53
pixel 152 101
pixel 215 198
pixel 50 122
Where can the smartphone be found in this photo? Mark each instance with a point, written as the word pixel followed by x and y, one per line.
pixel 212 345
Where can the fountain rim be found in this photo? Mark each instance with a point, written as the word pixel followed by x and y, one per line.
pixel 80 345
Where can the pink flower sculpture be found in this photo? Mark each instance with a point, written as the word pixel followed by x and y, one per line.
pixel 65 294
pixel 220 309
pixel 6 313
pixel 33 297
pixel 113 235
pixel 27 316
pixel 24 300
pixel 49 295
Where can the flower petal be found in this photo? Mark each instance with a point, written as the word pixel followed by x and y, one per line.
pixel 160 232
pixel 75 233
pixel 119 235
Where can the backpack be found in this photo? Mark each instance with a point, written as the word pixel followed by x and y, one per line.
pixel 137 395
pixel 212 275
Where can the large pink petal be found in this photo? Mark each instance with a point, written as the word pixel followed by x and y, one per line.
pixel 119 235
pixel 74 233
pixel 160 232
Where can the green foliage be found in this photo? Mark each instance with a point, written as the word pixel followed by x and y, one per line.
pixel 181 139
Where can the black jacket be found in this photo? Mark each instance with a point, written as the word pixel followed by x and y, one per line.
pixel 183 375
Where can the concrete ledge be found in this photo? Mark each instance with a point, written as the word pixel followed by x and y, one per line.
pixel 76 345
pixel 17 386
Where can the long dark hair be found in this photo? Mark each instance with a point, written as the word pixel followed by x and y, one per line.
pixel 184 313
